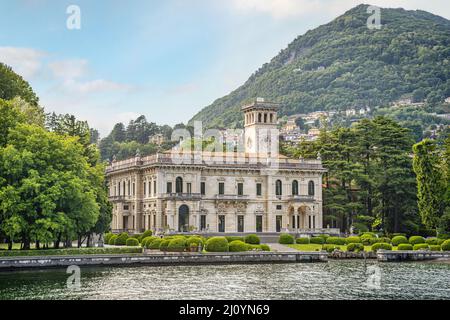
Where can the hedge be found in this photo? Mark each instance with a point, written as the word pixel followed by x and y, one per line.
pixel 432 241
pixel 421 246
pixel 381 245
pixel 317 240
pixel 146 240
pixel 132 242
pixel 164 244
pixel 303 240
pixel 69 251
pixel 238 246
pixel 399 240
pixel 217 244
pixel 435 247
pixel 416 240
pixel 336 241
pixel 265 247
pixel 355 247
pixel 177 245
pixel 107 237
pixel 112 240
pixel 121 240
pixel 234 238
pixel 445 246
pixel 404 247
pixel 252 239
pixel 286 238
pixel 353 240
pixel 153 245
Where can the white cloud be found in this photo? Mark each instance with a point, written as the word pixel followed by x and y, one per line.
pixel 25 61
pixel 69 69
pixel 94 86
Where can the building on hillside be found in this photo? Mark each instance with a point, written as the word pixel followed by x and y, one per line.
pixel 157 139
pixel 256 190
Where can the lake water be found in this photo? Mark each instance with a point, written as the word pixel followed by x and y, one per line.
pixel 332 280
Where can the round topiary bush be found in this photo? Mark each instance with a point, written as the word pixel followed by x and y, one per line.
pixel 177 245
pixel 329 247
pixel 195 241
pixel 440 241
pixel 234 238
pixel 286 238
pixel 153 245
pixel 355 247
pixel 121 240
pixel 353 240
pixel 112 240
pixel 435 247
pixel 147 233
pixel 217 244
pixel 432 241
pixel 238 246
pixel 132 242
pixel 445 246
pixel 317 240
pixel 145 240
pixel 416 240
pixel 336 241
pixel 265 247
pixel 107 237
pixel 252 239
pixel 421 246
pixel 399 240
pixel 381 245
pixel 404 247
pixel 303 240
pixel 164 244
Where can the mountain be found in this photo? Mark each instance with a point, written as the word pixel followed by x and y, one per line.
pixel 344 64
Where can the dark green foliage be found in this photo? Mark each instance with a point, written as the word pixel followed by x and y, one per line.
pixel 252 239
pixel 112 239
pixel 421 246
pixel 404 247
pixel 238 246
pixel 355 247
pixel 445 246
pixel 147 240
pixel 435 248
pixel 286 239
pixel 317 240
pixel 177 245
pixel 381 245
pixel 303 240
pixel 217 244
pixel 398 240
pixel 107 237
pixel 132 242
pixel 164 244
pixel 12 85
pixel 71 251
pixel 154 244
pixel 431 241
pixel 416 240
pixel 121 240
pixel 336 241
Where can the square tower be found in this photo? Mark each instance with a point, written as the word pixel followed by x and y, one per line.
pixel 260 123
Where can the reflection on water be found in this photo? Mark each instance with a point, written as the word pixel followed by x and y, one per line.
pixel 332 280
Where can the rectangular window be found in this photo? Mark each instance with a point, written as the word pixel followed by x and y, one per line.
pixel 221 188
pixel 145 189
pixel 169 187
pixel 279 207
pixel 202 222
pixel 202 188
pixel 126 207
pixel 189 187
pixel 134 189
pixel 240 227
pixel 309 222
pixel 259 223
pixel 293 222
pixel 279 223
pixel 149 188
pixel 314 222
pixel 221 224
pixel 258 189
pixel 240 189
pixel 154 187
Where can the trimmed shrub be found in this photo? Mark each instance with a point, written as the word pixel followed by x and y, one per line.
pixel 286 238
pixel 421 246
pixel 416 240
pixel 353 240
pixel 445 246
pixel 336 241
pixel 265 247
pixel 329 247
pixel 431 241
pixel 147 233
pixel 153 245
pixel 440 241
pixel 234 238
pixel 107 237
pixel 381 245
pixel 302 240
pixel 137 236
pixel 147 240
pixel 238 246
pixel 132 242
pixel 368 235
pixel 399 240
pixel 177 245
pixel 404 247
pixel 195 241
pixel 121 240
pixel 317 240
pixel 253 247
pixel 355 247
pixel 252 239
pixel 164 244
pixel 112 240
pixel 435 247
pixel 217 244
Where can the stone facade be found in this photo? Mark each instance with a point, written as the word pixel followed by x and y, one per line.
pixel 219 192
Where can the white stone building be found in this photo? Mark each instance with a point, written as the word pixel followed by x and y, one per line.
pixel 255 190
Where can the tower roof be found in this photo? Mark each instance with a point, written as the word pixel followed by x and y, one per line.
pixel 261 104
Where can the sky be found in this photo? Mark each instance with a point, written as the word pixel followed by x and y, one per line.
pixel 165 59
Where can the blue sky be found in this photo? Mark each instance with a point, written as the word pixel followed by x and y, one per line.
pixel 164 59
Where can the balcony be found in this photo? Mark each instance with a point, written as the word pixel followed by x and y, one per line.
pixel 233 197
pixel 182 196
pixel 301 198
pixel 120 198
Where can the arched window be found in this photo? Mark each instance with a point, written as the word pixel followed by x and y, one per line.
pixel 259 118
pixel 278 188
pixel 179 185
pixel 295 188
pixel 311 188
pixel 265 117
